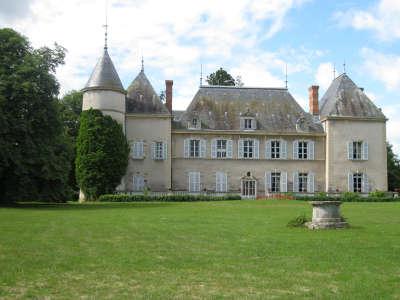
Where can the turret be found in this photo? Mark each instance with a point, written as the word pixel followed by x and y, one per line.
pixel 104 90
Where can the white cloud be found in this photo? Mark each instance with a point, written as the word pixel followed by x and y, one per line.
pixel 382 67
pixel 174 37
pixel 392 130
pixel 324 75
pixel 383 19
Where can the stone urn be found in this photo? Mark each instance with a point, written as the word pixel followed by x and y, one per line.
pixel 326 214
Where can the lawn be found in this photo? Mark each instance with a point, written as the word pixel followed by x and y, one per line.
pixel 231 249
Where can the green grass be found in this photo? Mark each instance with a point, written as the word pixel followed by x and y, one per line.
pixel 216 250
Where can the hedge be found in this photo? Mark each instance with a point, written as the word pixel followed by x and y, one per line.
pixel 166 198
pixel 349 199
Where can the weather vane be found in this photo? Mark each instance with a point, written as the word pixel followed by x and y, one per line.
pixel 286 81
pixel 106 30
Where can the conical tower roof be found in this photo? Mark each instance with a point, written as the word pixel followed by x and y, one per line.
pixel 142 98
pixel 345 99
pixel 104 76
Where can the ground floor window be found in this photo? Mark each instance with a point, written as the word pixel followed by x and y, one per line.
pixel 357 182
pixel 138 183
pixel 194 182
pixel 275 182
pixel 249 188
pixel 221 182
pixel 303 182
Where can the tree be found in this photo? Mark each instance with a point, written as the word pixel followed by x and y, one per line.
pixel 34 152
pixel 393 168
pixel 102 154
pixel 70 110
pixel 220 77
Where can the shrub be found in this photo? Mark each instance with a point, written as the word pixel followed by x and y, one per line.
pixel 350 197
pixel 166 198
pixel 299 221
pixel 377 194
pixel 102 154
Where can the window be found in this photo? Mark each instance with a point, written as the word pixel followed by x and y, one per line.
pixel 357 182
pixel 275 182
pixel 194 182
pixel 221 182
pixel 138 183
pixel 302 150
pixel 194 148
pixel 275 149
pixel 194 123
pixel 357 150
pixel 159 150
pixel 303 182
pixel 248 148
pixel 247 123
pixel 137 150
pixel 221 148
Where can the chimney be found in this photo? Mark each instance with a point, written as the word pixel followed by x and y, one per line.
pixel 168 94
pixel 313 98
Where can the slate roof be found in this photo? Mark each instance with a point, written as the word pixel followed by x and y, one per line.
pixel 104 76
pixel 220 108
pixel 141 97
pixel 345 98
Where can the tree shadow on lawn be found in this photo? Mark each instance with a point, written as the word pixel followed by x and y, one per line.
pixel 86 206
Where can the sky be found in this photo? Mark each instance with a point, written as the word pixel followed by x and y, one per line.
pixel 253 39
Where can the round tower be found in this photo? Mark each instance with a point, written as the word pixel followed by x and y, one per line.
pixel 104 90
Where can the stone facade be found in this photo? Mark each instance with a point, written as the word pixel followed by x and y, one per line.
pixel 253 141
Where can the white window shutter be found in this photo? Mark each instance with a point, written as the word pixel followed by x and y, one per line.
pixel 203 148
pixel 190 181
pixel 283 148
pixel 310 148
pixel 256 148
pixel 365 183
pixel 268 149
pixel 310 182
pixel 186 147
pixel 267 182
pixel 226 182
pixel 165 150
pixel 296 182
pixel 229 146
pixel 217 181
pixel 365 150
pixel 141 149
pixel 240 148
pixel 241 123
pixel 153 150
pixel 350 150
pixel 283 182
pixel 295 149
pixel 133 148
pixel 350 186
pixel 213 148
pixel 253 124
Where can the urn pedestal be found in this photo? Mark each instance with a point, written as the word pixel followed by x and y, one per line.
pixel 326 215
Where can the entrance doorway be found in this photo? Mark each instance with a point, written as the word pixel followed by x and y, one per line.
pixel 249 188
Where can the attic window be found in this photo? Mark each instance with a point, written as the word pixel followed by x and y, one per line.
pixel 247 123
pixel 194 124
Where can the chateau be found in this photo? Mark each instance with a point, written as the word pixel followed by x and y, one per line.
pixel 252 141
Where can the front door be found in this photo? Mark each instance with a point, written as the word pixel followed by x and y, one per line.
pixel 249 188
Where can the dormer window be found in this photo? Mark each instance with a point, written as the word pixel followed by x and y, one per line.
pixel 247 123
pixel 194 123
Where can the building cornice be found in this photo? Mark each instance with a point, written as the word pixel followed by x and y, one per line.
pixel 347 118
pixel 241 132
pixel 101 88
pixel 145 115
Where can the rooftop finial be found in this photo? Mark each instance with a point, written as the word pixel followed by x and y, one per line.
pixel 201 74
pixel 106 29
pixel 344 67
pixel 286 81
pixel 142 64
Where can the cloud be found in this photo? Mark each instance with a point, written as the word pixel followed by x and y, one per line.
pixel 392 127
pixel 383 19
pixel 324 75
pixel 384 68
pixel 14 9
